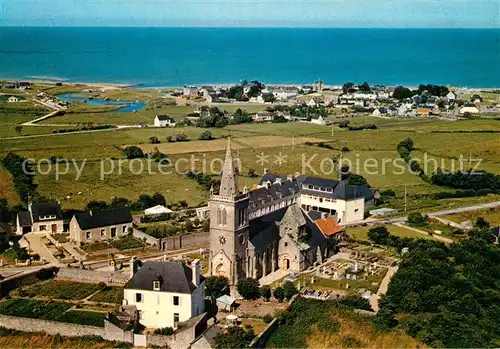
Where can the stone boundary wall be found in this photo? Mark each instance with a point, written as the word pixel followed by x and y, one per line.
pixel 150 240
pixel 82 275
pixel 25 278
pixel 108 332
pixel 260 340
pixel 182 241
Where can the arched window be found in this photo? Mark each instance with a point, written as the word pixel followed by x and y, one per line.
pixel 219 216
pixel 224 219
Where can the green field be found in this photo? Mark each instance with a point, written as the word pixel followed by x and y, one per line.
pixel 109 295
pixel 361 233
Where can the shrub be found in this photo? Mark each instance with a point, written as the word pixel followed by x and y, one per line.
pixel 133 152
pixel 267 318
pixel 206 135
pixel 289 289
pixel 248 288
pixel 279 293
pixel 266 292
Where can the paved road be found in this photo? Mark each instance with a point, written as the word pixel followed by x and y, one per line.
pixel 430 214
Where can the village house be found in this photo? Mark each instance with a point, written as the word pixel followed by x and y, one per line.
pixel 469 110
pixel 12 99
pixel 41 217
pixel 423 111
pixel 107 224
pixel 318 119
pixel 284 93
pixel 190 91
pixel 165 294
pixel 451 97
pixel 164 121
pixel 263 116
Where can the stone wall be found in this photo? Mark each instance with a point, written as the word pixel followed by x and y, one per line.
pixel 25 278
pixel 150 240
pixel 184 241
pixel 81 275
pixel 108 332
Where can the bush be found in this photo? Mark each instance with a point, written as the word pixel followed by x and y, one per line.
pixel 267 318
pixel 248 288
pixel 289 290
pixel 216 286
pixel 206 136
pixel 266 292
pixel 165 331
pixel 417 219
pixel 279 293
pixel 133 152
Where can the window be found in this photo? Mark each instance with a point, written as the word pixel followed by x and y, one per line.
pixel 88 235
pixel 356 210
pixel 113 232
pixel 286 244
pixel 103 233
pixel 176 300
pixel 156 285
pixel 124 229
pixel 176 317
pixel 138 298
pixel 43 227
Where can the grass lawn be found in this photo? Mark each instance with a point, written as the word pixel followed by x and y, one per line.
pixel 33 309
pixel 13 114
pixel 110 294
pixel 491 215
pixel 57 289
pixel 361 233
pixel 434 225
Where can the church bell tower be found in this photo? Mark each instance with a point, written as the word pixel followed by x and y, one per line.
pixel 229 227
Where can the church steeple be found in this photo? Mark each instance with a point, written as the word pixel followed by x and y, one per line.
pixel 228 181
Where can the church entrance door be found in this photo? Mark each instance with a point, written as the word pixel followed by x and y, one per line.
pixel 286 263
pixel 220 270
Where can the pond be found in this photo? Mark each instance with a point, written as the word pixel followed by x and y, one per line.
pixel 126 106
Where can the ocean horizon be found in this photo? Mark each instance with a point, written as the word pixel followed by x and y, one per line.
pixel 175 56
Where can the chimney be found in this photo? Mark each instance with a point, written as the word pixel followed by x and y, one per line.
pixel 195 267
pixel 133 266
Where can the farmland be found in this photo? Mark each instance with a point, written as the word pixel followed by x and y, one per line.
pixel 491 215
pixel 57 289
pixel 361 233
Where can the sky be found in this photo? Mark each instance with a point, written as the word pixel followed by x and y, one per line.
pixel 257 13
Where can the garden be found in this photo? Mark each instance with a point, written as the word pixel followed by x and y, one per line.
pixel 121 244
pixel 57 289
pixel 109 294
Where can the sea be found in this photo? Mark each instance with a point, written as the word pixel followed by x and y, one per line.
pixel 164 56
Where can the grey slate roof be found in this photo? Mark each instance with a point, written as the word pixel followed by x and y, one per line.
pixel 173 277
pixel 104 218
pixel 45 209
pixel 265 229
pixel 165 118
pixel 341 189
pixel 24 219
pixel 4 228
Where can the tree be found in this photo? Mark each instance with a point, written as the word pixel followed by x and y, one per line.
pixel 189 224
pixel 19 129
pixel 159 199
pixel 401 93
pixel 279 119
pixel 183 204
pixel 96 205
pixel 266 292
pixel 181 137
pixel 347 87
pixel 206 135
pixel 357 180
pixel 407 143
pixel 216 286
pixel 248 288
pixel 268 97
pixel 417 219
pixel 481 223
pixel 289 289
pixel 251 173
pixel 206 226
pixel 154 140
pixel 133 152
pixel 279 293
pixel 364 87
pixel 119 202
pixel 378 235
pixel 235 338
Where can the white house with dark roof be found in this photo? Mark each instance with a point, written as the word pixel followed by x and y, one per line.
pixel 41 217
pixel 164 121
pixel 88 227
pixel 166 293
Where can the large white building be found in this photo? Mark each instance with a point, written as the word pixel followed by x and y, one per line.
pixel 166 293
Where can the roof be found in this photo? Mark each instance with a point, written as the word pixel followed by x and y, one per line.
pixel 226 299
pixel 320 182
pixel 328 226
pixel 24 218
pixel 165 118
pixel 103 218
pixel 423 111
pixel 46 209
pixel 173 277
pixel 341 189
pixel 264 229
pixel 157 210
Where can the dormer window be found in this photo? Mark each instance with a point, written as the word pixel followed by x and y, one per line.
pixel 47 217
pixel 156 285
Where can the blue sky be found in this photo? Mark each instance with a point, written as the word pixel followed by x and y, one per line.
pixel 257 13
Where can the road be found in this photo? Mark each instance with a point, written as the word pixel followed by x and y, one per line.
pixel 430 214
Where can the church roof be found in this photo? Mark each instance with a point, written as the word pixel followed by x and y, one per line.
pixel 328 226
pixel 228 181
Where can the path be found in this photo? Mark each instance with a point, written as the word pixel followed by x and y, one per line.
pixel 36 244
pixel 384 286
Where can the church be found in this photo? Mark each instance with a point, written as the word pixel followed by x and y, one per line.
pixel 285 222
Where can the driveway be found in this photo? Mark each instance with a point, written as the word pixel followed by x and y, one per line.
pixel 37 245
